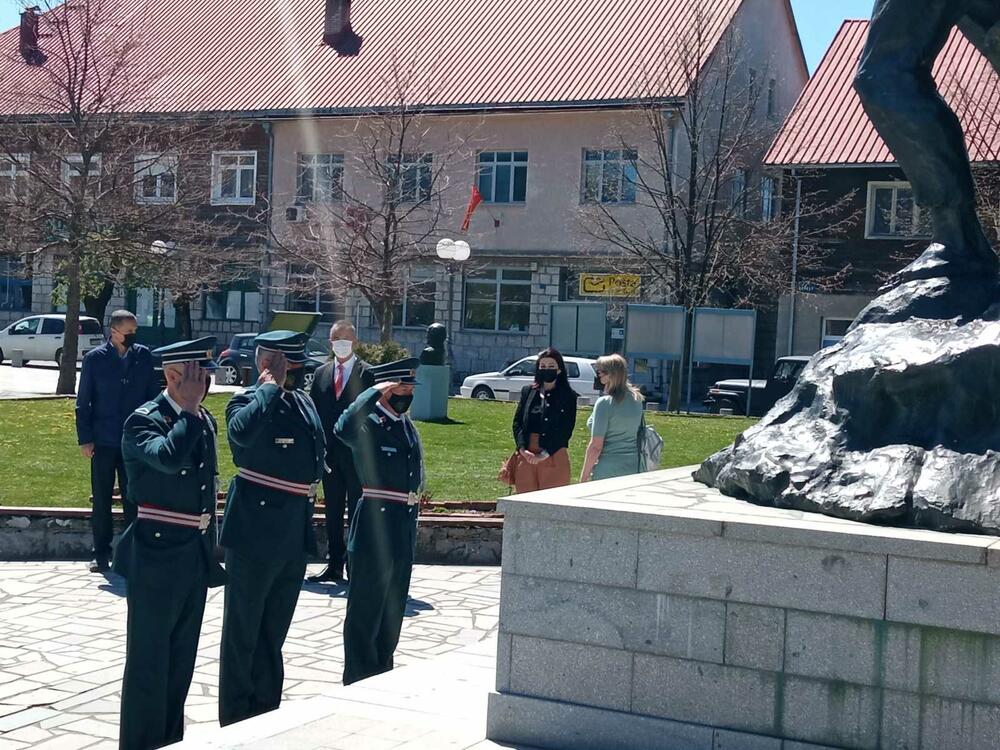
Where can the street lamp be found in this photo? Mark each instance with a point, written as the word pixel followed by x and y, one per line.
pixel 453 254
pixel 160 249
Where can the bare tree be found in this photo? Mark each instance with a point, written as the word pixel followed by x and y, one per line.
pixel 691 207
pixel 364 233
pixel 91 184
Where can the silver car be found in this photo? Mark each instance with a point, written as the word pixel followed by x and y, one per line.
pixel 40 337
pixel 506 384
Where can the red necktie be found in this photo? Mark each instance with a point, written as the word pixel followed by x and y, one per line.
pixel 338 384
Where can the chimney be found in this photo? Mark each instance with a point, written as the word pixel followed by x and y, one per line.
pixel 29 48
pixel 337 31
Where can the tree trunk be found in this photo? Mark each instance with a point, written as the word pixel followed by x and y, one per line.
pixel 71 337
pixel 679 370
pixel 383 311
pixel 182 318
pixel 97 306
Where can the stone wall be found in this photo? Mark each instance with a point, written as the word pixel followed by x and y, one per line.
pixel 651 612
pixel 61 534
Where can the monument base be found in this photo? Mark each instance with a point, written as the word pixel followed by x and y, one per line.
pixel 430 397
pixel 653 612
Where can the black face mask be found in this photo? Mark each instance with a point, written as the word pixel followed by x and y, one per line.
pixel 400 403
pixel 128 339
pixel 546 376
pixel 295 379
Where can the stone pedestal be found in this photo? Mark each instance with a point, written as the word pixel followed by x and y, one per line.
pixel 652 612
pixel 430 397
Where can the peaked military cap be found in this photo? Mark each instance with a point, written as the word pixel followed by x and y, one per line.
pixel 200 350
pixel 289 343
pixel 402 371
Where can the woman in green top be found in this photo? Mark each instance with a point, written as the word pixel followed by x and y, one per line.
pixel 614 425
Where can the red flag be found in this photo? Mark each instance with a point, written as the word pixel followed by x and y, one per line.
pixel 474 200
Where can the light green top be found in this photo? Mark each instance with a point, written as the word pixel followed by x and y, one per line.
pixel 618 423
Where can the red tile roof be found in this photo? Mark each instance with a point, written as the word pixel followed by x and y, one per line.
pixel 268 56
pixel 828 126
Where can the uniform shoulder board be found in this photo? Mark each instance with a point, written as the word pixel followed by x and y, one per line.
pixel 145 409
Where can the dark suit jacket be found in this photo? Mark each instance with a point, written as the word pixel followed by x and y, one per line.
pixel 330 408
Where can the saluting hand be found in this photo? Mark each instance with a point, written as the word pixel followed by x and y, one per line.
pixel 191 390
pixel 275 370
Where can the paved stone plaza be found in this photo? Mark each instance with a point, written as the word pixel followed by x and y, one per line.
pixel 62 646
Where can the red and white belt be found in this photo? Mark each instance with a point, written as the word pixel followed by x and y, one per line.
pixel 274 483
pixel 404 498
pixel 162 515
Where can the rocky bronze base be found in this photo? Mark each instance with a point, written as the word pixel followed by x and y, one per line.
pixel 898 423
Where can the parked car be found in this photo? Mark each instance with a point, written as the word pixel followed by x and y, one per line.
pixel 238 358
pixel 732 394
pixel 40 337
pixel 506 384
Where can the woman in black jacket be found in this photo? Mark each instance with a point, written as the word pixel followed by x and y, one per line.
pixel 543 426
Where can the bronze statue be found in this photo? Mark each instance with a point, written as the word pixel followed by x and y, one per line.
pixel 434 352
pixel 899 423
pixel 897 89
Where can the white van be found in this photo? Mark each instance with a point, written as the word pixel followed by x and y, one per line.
pixel 40 337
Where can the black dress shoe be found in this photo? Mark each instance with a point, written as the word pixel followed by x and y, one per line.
pixel 329 575
pixel 99 566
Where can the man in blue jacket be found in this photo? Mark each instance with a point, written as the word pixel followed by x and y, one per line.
pixel 116 379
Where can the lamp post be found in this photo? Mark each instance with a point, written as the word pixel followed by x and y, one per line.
pixel 160 249
pixel 453 254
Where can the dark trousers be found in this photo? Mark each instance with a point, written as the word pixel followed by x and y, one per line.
pixel 104 466
pixel 383 538
pixel 259 604
pixel 341 489
pixel 164 622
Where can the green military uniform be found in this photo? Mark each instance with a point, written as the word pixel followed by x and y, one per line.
pixel 278 444
pixel 382 539
pixel 166 556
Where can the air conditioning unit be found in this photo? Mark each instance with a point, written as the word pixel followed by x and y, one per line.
pixel 295 214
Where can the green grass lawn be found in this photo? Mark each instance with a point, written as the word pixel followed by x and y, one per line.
pixel 41 465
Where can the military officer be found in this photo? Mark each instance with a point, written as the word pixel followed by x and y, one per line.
pixel 278 446
pixel 383 534
pixel 167 554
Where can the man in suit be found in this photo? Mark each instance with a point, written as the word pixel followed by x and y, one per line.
pixel 115 380
pixel 167 555
pixel 383 537
pixel 278 446
pixel 334 388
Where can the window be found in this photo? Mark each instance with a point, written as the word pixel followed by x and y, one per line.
pixel 834 329
pixel 610 176
pixel 772 98
pixel 53 326
pixel 503 176
pixel 234 178
pixel 90 327
pixel 154 308
pixel 73 174
pixel 318 349
pixel 321 178
pixel 12 169
pixel 524 368
pixel 417 308
pixel 413 180
pixel 27 327
pixel 15 285
pixel 767 212
pixel 155 178
pixel 892 212
pixel 233 302
pixel 498 300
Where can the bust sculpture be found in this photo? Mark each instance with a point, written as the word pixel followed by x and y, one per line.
pixel 434 352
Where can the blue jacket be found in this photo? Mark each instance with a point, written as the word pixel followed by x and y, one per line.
pixel 111 388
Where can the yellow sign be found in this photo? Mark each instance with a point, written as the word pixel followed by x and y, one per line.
pixel 610 284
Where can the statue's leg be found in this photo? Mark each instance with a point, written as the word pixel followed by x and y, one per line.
pixel 899 94
pixel 982 27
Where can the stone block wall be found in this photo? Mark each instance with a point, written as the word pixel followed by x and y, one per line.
pixel 651 612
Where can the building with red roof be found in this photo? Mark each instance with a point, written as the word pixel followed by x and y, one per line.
pixel 830 147
pixel 541 85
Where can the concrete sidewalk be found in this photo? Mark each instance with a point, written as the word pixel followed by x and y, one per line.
pixel 439 704
pixel 38 380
